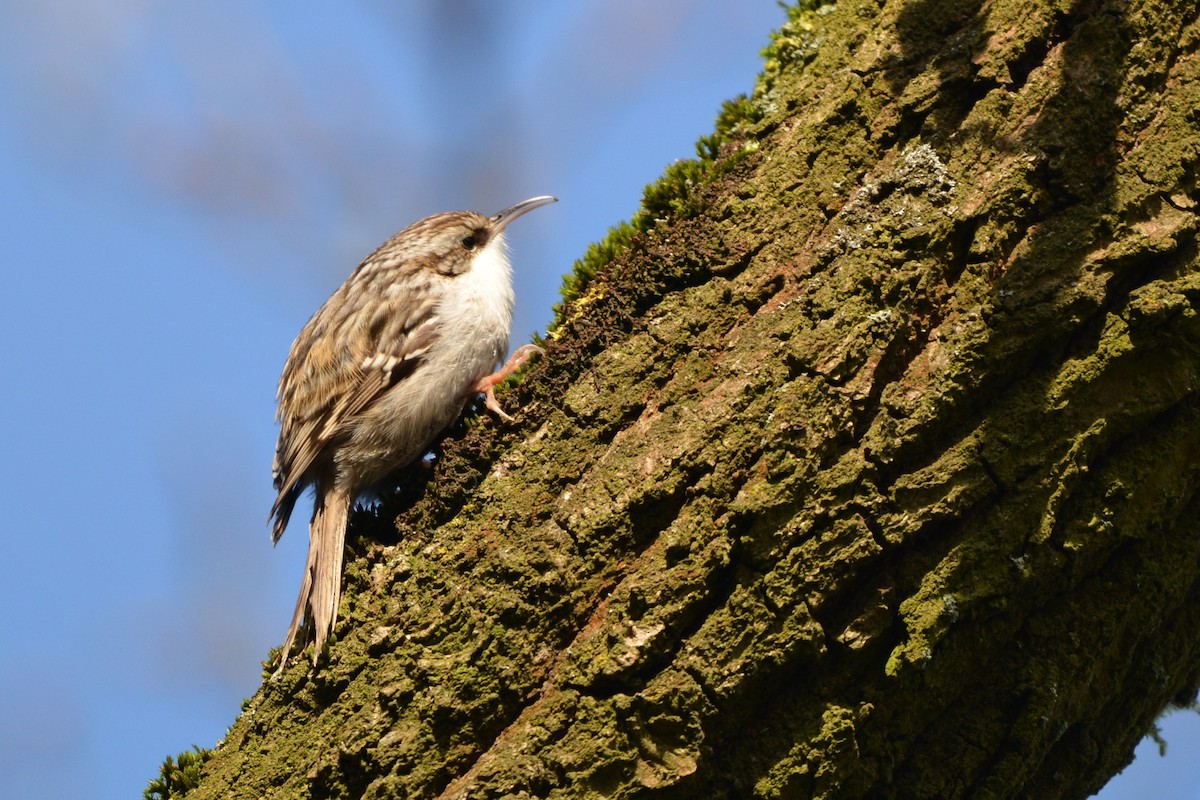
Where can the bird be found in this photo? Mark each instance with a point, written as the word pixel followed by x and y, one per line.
pixel 384 366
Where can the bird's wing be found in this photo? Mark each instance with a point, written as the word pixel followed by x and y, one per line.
pixel 344 359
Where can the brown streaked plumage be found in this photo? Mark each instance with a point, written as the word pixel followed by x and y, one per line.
pixel 385 365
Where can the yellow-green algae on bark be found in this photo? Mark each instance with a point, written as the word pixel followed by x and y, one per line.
pixel 861 465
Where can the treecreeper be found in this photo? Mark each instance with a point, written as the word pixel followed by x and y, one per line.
pixel 383 367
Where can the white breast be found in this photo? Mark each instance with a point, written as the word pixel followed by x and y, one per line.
pixel 477 314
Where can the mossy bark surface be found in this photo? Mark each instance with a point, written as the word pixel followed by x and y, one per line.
pixel 865 467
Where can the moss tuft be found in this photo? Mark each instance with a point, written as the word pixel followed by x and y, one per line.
pixel 672 196
pixel 594 259
pixel 178 775
pixel 794 44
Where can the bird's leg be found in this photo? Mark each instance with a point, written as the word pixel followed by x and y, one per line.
pixel 488 385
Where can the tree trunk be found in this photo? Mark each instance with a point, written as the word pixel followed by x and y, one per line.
pixel 865 465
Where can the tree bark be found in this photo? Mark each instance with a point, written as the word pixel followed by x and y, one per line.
pixel 866 465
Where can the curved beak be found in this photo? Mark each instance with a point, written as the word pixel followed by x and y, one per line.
pixel 506 216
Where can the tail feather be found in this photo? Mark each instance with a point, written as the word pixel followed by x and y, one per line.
pixel 321 588
pixel 281 511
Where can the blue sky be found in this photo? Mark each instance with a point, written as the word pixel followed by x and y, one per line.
pixel 184 184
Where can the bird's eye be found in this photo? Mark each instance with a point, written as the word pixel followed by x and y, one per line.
pixel 469 242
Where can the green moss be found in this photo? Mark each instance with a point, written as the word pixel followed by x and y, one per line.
pixel 178 775
pixel 795 43
pixel 672 196
pixel 580 277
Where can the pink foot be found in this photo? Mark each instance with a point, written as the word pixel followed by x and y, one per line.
pixel 488 385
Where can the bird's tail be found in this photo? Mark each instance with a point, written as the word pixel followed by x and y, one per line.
pixel 321 588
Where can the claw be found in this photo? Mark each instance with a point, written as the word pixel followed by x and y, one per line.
pixel 487 385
